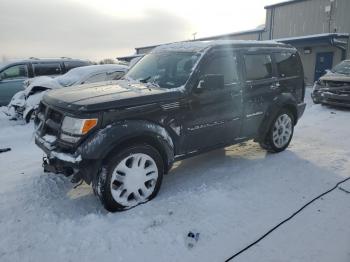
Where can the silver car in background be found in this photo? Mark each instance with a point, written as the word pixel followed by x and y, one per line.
pixel 24 103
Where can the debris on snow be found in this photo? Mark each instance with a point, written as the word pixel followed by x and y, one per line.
pixel 192 239
pixel 3 150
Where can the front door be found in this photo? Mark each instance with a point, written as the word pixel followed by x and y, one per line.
pixel 324 61
pixel 11 81
pixel 214 115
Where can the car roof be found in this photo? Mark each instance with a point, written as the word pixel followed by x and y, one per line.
pixel 200 46
pixel 38 60
pixel 100 68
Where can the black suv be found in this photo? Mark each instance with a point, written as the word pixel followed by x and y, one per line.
pixel 180 100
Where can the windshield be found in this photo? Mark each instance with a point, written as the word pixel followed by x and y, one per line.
pixel 71 77
pixel 342 68
pixel 166 70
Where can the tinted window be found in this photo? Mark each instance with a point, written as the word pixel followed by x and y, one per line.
pixel 258 66
pixel 287 64
pixel 223 65
pixel 73 64
pixel 17 71
pixel 44 69
pixel 342 68
pixel 165 69
pixel 96 78
pixel 115 75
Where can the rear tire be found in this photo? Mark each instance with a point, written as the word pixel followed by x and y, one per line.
pixel 130 177
pixel 280 133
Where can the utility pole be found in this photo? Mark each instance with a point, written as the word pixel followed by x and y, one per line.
pixel 329 12
pixel 194 36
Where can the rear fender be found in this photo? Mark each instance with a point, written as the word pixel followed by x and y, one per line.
pixel 284 100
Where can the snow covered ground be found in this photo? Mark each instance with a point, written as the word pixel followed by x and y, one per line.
pixel 231 197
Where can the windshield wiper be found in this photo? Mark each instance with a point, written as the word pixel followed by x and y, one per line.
pixel 145 80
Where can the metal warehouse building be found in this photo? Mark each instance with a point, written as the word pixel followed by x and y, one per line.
pixel 319 29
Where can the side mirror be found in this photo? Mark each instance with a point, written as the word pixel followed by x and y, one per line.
pixel 212 82
pixel 328 71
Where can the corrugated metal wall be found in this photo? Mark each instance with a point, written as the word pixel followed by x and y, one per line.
pixel 309 17
pixel 251 36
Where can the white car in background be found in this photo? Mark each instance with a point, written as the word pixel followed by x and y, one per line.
pixel 24 103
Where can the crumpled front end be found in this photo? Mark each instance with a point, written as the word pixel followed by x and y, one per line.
pixel 61 157
pixel 16 106
pixel 335 93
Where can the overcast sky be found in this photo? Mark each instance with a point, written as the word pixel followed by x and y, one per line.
pixel 96 29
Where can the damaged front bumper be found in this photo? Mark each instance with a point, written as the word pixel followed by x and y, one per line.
pixel 336 96
pixel 69 164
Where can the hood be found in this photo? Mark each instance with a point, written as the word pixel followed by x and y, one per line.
pixel 42 81
pixel 335 77
pixel 108 95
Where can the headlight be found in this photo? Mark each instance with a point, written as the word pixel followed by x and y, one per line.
pixel 317 85
pixel 77 126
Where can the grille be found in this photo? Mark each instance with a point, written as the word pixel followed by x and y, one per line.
pixel 48 121
pixel 55 116
pixel 336 84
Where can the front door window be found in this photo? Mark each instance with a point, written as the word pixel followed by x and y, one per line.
pixel 15 72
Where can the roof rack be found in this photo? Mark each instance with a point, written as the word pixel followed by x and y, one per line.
pixel 35 58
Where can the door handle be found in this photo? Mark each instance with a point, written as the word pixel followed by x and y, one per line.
pixel 275 86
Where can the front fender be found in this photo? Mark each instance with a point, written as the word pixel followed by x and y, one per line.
pixel 107 139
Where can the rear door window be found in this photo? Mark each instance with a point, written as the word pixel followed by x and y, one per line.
pixel 287 64
pixel 258 66
pixel 15 72
pixel 45 69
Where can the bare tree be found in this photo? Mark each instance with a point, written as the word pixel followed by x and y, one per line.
pixel 107 61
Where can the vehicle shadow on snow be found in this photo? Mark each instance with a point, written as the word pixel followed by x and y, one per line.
pixel 239 167
pixel 244 164
pixel 56 194
pixel 337 108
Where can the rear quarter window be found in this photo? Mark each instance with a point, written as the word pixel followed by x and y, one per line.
pixel 287 64
pixel 44 69
pixel 258 66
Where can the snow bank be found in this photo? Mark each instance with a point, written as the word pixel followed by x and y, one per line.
pixel 230 196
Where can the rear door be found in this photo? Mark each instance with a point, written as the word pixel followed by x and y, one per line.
pixel 47 68
pixel 290 73
pixel 11 82
pixel 261 86
pixel 214 116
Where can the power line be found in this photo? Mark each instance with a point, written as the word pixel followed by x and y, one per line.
pixel 286 220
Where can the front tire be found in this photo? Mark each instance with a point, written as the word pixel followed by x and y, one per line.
pixel 280 133
pixel 315 100
pixel 130 177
